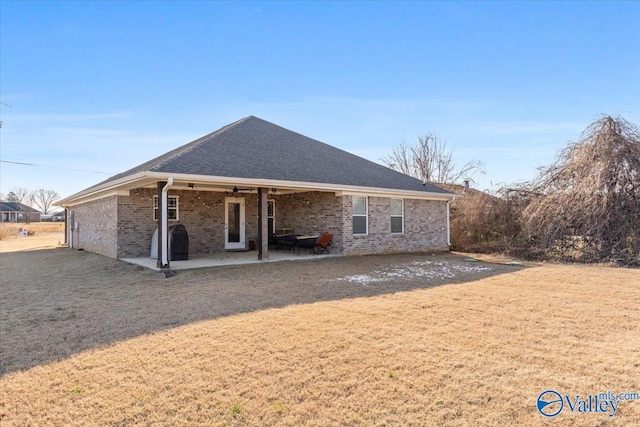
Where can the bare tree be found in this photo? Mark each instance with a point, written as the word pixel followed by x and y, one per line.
pixel 430 159
pixel 44 199
pixel 19 194
pixel 586 206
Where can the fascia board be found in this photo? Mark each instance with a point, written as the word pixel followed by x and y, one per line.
pixel 143 178
pixel 107 189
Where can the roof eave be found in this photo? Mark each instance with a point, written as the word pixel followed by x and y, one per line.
pixel 141 179
pixel 99 191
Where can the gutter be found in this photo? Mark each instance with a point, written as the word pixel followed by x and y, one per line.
pixel 146 178
pixel 98 190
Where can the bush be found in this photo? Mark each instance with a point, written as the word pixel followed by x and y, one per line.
pixel 586 206
pixel 482 222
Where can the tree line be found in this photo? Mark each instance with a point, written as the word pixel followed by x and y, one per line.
pixel 584 207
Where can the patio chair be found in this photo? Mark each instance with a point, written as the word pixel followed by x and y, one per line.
pixel 323 243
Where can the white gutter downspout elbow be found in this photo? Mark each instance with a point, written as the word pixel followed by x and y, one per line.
pixel 165 222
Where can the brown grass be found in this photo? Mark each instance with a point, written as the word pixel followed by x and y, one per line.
pixel 9 230
pixel 298 344
pixel 40 240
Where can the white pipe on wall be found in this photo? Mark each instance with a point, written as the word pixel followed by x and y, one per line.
pixel 448 227
pixel 165 222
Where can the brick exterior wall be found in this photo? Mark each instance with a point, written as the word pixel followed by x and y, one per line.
pixel 201 212
pixel 97 226
pixel 424 227
pixel 312 213
pixel 123 226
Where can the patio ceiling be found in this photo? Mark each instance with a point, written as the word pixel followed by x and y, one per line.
pixel 226 184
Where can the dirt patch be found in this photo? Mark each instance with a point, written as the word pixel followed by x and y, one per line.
pixel 381 340
pixel 31 243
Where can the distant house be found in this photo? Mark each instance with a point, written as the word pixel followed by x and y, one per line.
pixel 57 216
pixel 464 190
pixel 18 212
pixel 254 179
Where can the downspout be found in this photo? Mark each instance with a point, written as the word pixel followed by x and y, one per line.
pixel 165 222
pixel 448 227
pixel 66 226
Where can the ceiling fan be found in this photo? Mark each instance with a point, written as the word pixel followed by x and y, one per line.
pixel 236 189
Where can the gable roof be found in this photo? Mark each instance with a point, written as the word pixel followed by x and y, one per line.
pixel 16 207
pixel 252 148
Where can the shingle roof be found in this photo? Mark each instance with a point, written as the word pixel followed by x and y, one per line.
pixel 15 207
pixel 254 148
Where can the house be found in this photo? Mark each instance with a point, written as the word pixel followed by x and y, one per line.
pixel 57 216
pixel 251 179
pixel 18 212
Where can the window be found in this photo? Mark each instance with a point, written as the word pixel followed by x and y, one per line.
pixel 397 216
pixel 172 205
pixel 360 217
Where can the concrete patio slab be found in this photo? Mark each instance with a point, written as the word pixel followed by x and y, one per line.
pixel 224 258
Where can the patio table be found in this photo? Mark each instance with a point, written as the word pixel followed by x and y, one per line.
pixel 305 242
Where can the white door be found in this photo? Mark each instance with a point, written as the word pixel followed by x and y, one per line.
pixel 234 223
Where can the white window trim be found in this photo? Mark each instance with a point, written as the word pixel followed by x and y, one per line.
pixel 398 216
pixel 366 215
pixel 177 208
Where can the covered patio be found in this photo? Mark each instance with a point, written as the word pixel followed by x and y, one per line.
pixel 225 259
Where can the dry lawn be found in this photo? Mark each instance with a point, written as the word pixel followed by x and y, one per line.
pixel 385 340
pixel 46 235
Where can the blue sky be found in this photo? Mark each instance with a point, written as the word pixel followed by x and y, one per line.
pixel 103 86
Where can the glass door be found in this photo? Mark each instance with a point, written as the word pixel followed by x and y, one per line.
pixel 234 223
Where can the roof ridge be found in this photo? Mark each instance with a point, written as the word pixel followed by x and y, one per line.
pixel 163 159
pixel 337 148
pixel 184 149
